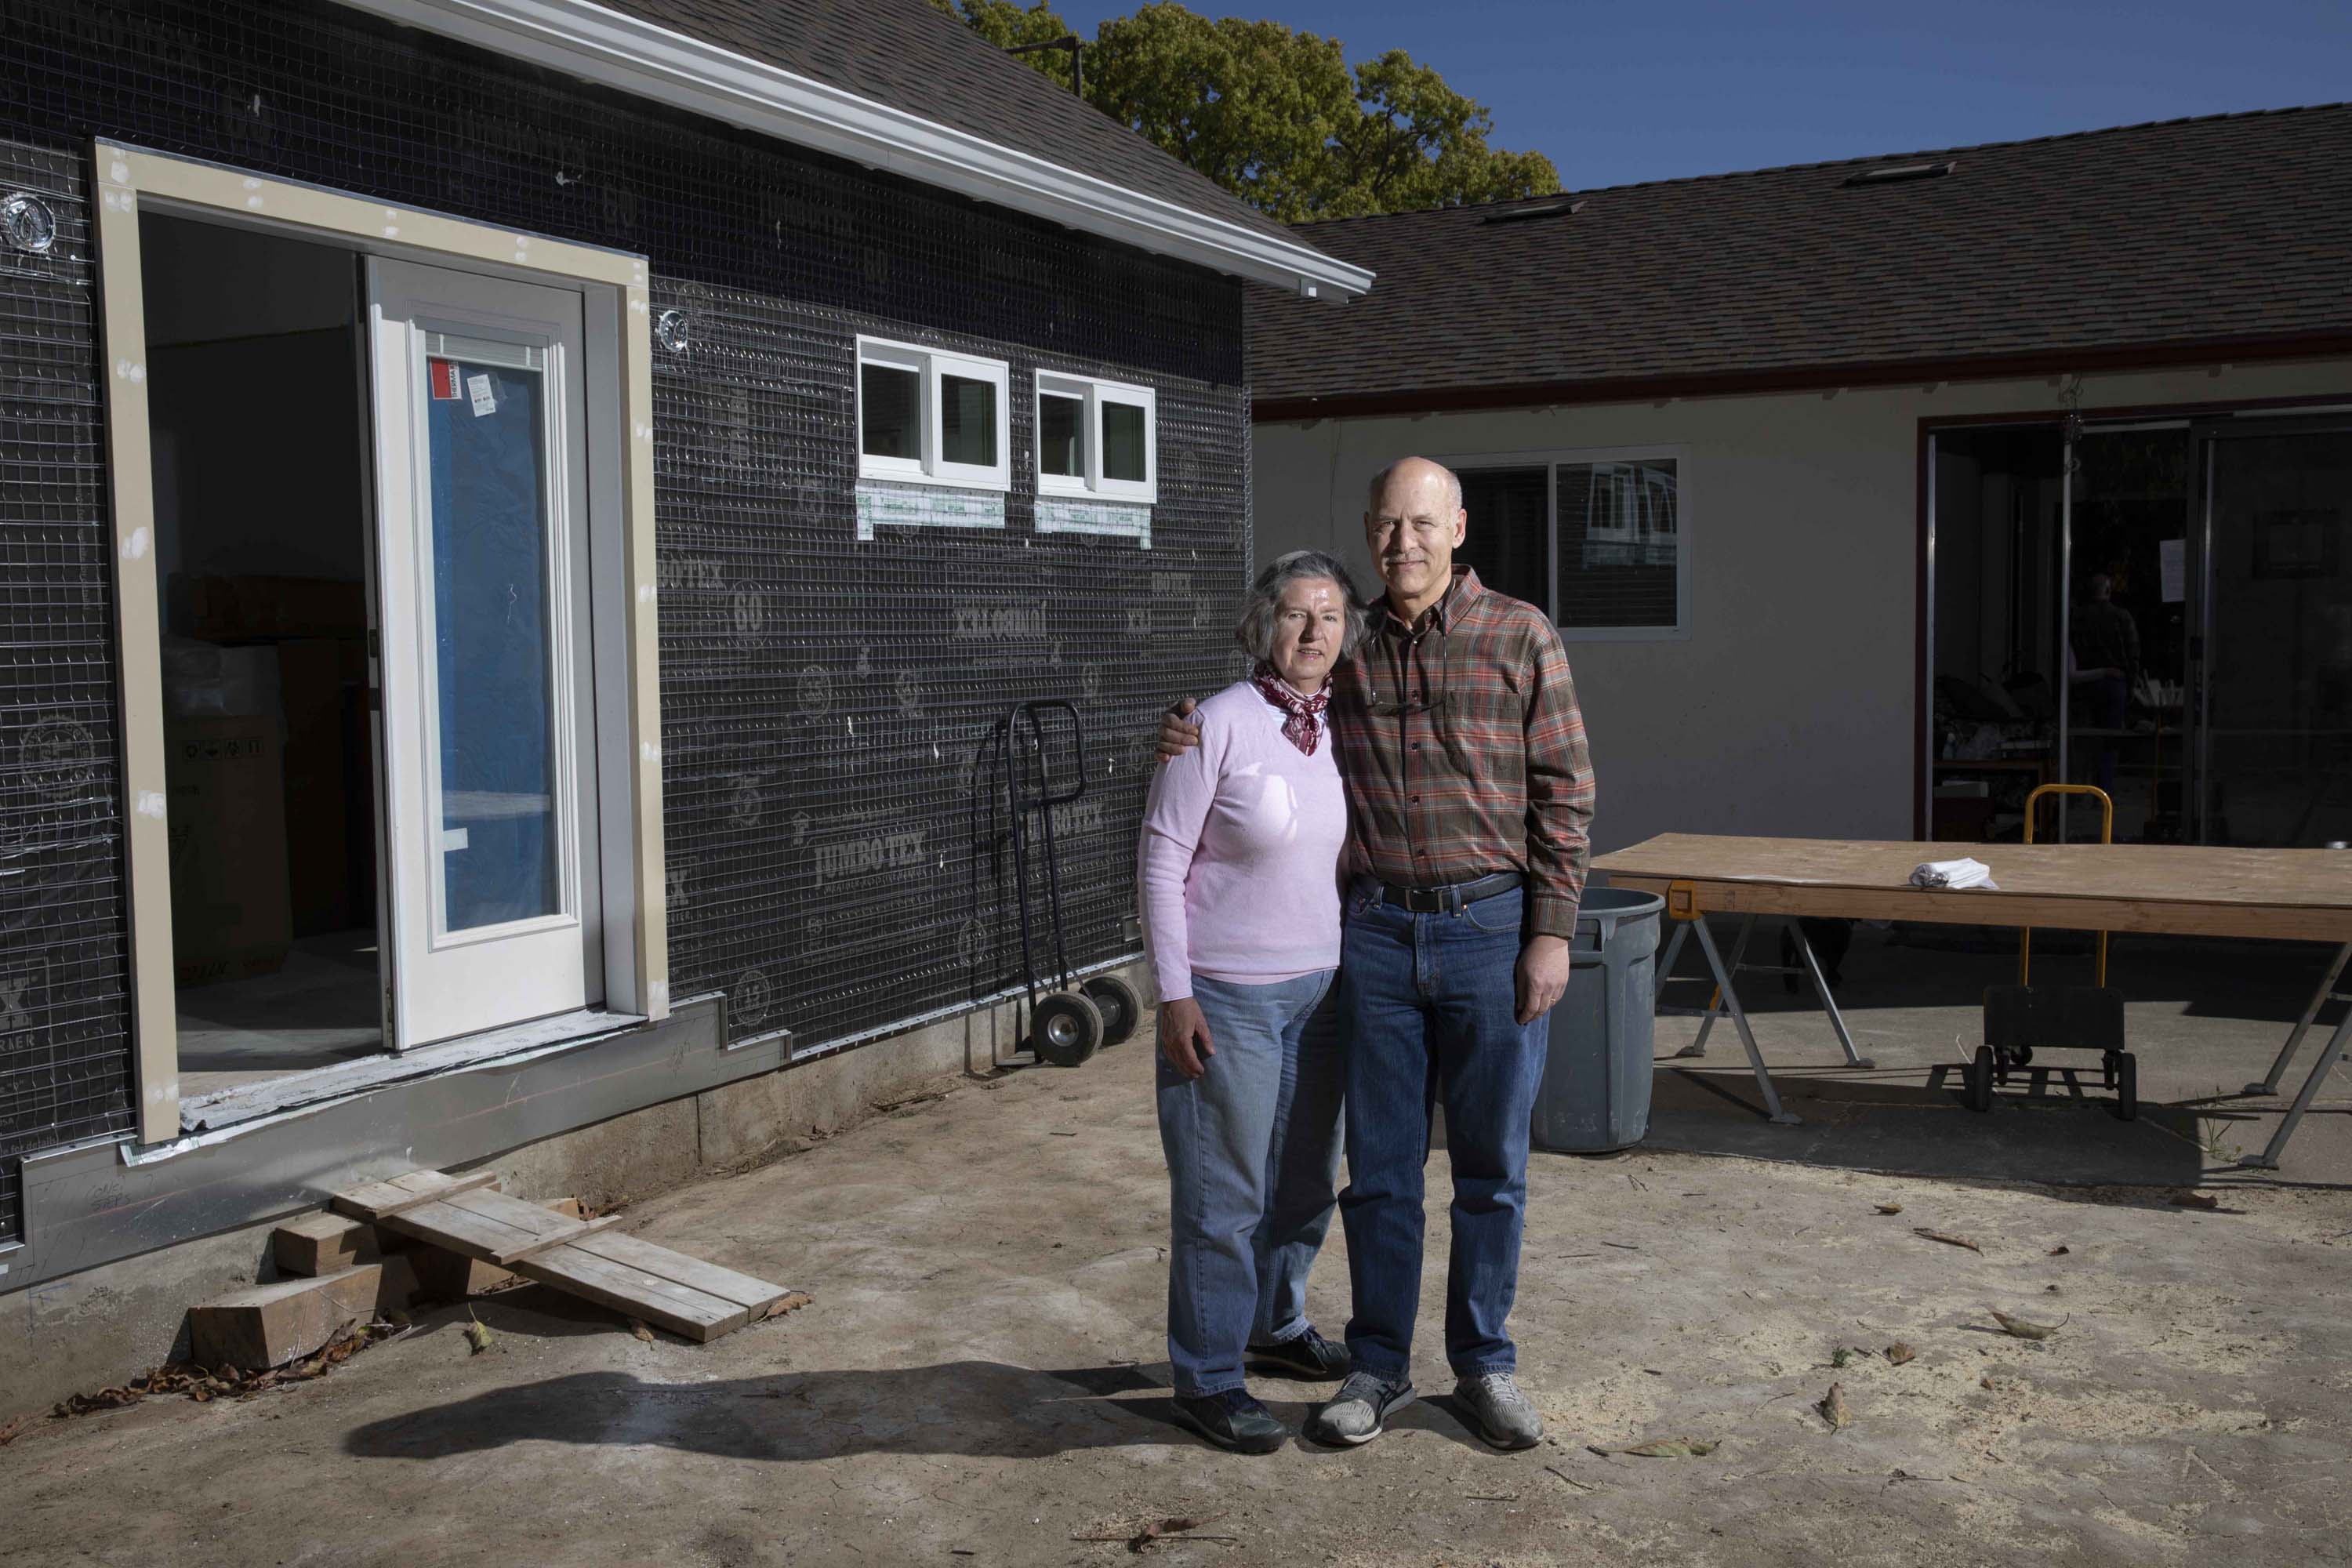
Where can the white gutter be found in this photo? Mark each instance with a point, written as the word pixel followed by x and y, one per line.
pixel 602 46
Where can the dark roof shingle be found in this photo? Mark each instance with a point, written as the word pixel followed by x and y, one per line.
pixel 904 54
pixel 2235 227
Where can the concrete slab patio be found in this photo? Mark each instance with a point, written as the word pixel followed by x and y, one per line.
pixel 981 1377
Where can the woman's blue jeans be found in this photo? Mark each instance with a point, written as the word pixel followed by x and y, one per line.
pixel 1253 1151
pixel 1429 1004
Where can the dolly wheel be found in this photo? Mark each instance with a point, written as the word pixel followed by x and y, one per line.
pixel 1064 1028
pixel 1116 1000
pixel 1980 1079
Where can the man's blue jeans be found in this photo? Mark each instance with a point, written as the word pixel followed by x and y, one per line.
pixel 1428 1007
pixel 1253 1148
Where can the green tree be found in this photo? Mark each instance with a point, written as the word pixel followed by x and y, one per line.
pixel 1276 116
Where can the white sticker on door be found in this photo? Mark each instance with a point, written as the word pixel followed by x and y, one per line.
pixel 478 388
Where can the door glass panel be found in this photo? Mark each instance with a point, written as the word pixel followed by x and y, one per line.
pixel 2278 707
pixel 1122 437
pixel 487 461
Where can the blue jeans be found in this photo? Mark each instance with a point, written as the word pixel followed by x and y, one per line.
pixel 1428 1005
pixel 1253 1148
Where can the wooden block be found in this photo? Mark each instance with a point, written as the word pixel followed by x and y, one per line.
pixel 271 1325
pixel 665 1303
pixel 755 1295
pixel 380 1200
pixel 323 1244
pixel 490 1227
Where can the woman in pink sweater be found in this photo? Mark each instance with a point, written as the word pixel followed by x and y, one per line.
pixel 1238 875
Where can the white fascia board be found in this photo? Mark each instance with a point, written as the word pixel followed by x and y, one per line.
pixel 649 61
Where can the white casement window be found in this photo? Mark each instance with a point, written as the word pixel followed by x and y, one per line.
pixel 1599 538
pixel 932 417
pixel 1097 438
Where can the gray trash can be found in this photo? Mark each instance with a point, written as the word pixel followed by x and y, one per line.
pixel 1596 1088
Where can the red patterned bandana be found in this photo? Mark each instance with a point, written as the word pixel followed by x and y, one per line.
pixel 1299 713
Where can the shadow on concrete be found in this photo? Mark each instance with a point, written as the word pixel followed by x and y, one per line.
pixel 1895 1121
pixel 976 1409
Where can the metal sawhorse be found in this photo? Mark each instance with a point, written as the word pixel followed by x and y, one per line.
pixel 1682 908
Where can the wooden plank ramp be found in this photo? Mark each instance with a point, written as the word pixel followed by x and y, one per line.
pixel 490 1227
pixel 690 1298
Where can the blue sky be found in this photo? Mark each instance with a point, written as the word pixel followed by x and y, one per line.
pixel 1616 93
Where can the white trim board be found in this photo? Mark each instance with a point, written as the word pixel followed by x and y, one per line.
pixel 597 44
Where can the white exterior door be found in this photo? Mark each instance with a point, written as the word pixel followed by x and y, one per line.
pixel 490 830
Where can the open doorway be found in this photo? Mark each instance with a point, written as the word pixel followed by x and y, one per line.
pixel 257 423
pixel 2160 609
pixel 2061 635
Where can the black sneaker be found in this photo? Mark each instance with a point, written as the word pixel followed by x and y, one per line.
pixel 1233 1420
pixel 1309 1356
pixel 1359 1411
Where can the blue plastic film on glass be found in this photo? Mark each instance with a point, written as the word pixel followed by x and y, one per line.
pixel 487 454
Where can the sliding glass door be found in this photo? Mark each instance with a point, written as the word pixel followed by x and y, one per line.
pixel 2273 688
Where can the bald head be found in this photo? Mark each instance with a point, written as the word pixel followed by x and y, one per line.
pixel 1414 472
pixel 1414 522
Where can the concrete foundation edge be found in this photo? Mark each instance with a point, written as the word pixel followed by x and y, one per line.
pixel 91 1325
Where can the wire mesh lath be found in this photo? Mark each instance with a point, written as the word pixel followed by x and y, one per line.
pixel 822 700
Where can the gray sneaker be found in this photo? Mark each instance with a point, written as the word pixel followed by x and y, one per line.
pixel 1358 1411
pixel 1503 1415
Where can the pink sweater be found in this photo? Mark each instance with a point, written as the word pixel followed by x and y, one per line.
pixel 1238 872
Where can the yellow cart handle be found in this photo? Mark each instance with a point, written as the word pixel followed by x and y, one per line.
pixel 2106 835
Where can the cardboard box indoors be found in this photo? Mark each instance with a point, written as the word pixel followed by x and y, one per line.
pixel 230 912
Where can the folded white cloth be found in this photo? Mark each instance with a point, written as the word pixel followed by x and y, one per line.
pixel 1954 874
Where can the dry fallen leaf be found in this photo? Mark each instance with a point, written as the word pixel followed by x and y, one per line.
pixel 1898 1352
pixel 478 1335
pixel 639 1327
pixel 2196 1201
pixel 1888 1208
pixel 1922 1230
pixel 1670 1448
pixel 2060 1251
pixel 2022 1330
pixel 1832 1407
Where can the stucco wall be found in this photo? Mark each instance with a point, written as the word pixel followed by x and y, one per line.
pixel 1791 707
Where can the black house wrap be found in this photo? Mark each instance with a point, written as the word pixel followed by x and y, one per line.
pixel 822 698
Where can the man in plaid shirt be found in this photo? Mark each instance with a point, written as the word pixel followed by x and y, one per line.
pixel 1469 802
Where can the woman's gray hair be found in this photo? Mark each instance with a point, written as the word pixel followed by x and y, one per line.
pixel 1254 631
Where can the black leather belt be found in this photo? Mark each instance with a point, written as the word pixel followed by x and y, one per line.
pixel 1449 899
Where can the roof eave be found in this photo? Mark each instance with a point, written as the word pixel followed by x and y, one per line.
pixel 1278 408
pixel 639 58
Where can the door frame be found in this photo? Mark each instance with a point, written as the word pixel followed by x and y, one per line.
pixel 616 299
pixel 2323 408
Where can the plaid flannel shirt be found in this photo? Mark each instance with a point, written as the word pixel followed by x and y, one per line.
pixel 1463 752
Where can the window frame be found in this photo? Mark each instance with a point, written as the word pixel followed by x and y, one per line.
pixel 1090 391
pixel 931 465
pixel 1551 458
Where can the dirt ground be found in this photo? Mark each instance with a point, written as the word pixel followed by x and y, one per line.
pixel 982 1380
